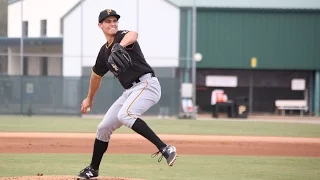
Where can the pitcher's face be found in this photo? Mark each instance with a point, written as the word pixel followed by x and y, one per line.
pixel 109 25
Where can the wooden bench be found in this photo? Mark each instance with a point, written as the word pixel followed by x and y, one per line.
pixel 284 105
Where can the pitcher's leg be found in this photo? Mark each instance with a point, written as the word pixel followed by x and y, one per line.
pixel 109 124
pixel 110 121
pixel 139 101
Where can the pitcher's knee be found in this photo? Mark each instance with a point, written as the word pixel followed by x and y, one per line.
pixel 126 118
pixel 104 131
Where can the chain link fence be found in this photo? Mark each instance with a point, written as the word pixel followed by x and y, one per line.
pixel 63 95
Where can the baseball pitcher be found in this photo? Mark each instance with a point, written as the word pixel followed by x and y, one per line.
pixel 122 56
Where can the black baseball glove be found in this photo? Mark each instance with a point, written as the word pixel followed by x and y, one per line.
pixel 119 60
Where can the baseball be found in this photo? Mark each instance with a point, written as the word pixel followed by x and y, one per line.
pixel 88 109
pixel 197 57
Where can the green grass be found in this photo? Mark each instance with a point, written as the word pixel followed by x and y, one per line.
pixel 213 127
pixel 186 167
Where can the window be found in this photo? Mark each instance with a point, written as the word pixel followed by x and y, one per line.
pixel 44 66
pixel 43 28
pixel 25 27
pixel 25 66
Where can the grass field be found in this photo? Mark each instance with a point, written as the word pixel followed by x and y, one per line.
pixel 187 168
pixel 214 127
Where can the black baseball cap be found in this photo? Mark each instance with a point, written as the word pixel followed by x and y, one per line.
pixel 107 13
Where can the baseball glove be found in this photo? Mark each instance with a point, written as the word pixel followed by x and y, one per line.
pixel 119 60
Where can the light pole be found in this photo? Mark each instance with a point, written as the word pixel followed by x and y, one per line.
pixel 81 38
pixel 138 15
pixel 21 58
pixel 194 33
pixel 21 39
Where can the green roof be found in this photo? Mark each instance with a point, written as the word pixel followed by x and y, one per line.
pixel 7 41
pixel 12 1
pixel 270 4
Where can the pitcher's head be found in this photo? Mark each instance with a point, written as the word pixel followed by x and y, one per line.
pixel 108 21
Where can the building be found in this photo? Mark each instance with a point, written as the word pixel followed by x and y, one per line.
pixel 158 37
pixel 63 39
pixel 254 49
pixel 260 47
pixel 42 38
pixel 55 33
pixel 83 38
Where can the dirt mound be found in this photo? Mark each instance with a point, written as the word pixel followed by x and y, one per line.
pixel 59 178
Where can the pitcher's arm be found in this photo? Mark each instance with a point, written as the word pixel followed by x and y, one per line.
pixel 95 82
pixel 129 38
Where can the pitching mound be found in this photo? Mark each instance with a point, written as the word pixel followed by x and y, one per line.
pixel 60 178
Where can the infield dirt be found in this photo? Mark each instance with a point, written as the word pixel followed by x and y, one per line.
pixel 133 143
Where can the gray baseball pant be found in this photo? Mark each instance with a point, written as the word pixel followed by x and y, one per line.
pixel 130 106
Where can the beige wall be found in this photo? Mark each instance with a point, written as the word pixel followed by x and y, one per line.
pixel 55 67
pixel 35 68
pixel 34 64
pixel 13 63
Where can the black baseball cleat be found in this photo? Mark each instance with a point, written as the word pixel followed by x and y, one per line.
pixel 88 173
pixel 169 152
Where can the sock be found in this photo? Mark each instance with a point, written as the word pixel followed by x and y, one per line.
pixel 144 130
pixel 99 149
